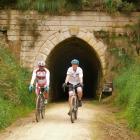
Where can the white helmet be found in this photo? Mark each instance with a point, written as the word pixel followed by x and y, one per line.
pixel 41 63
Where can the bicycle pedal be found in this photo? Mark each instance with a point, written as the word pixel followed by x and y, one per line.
pixel 69 113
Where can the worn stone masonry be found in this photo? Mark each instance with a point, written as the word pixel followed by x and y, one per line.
pixel 35 35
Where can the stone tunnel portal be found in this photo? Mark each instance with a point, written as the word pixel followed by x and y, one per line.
pixel 59 60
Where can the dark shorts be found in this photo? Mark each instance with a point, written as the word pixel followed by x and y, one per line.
pixel 71 87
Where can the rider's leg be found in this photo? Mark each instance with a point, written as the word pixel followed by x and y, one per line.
pixel 37 91
pixel 46 97
pixel 70 95
pixel 46 94
pixel 80 94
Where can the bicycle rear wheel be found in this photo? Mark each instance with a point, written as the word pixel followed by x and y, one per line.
pixel 38 113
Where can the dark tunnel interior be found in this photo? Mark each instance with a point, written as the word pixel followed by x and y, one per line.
pixel 59 60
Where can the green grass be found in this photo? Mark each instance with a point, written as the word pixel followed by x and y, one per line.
pixel 62 6
pixel 15 100
pixel 128 86
pixel 51 6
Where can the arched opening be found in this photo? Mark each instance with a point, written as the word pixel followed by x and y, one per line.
pixel 59 60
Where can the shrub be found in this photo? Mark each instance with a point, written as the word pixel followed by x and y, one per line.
pixel 112 6
pixel 128 85
pixel 14 98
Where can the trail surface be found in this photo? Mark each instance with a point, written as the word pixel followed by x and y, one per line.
pixel 95 122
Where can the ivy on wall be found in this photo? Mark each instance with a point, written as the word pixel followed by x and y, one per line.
pixel 124 47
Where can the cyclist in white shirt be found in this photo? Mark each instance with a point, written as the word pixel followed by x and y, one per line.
pixel 75 77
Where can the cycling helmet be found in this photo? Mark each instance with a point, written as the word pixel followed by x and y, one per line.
pixel 41 63
pixel 75 61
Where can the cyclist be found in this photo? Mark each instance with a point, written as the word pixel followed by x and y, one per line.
pixel 75 77
pixel 41 78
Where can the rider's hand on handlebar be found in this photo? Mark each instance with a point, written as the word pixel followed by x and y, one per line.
pixel 64 85
pixel 31 88
pixel 82 84
pixel 46 88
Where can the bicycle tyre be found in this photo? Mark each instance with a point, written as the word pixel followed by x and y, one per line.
pixel 42 108
pixel 72 112
pixel 37 114
pixel 76 110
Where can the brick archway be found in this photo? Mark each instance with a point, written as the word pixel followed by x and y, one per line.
pixel 53 40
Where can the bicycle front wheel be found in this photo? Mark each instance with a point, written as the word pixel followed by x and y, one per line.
pixel 72 113
pixel 42 108
pixel 76 110
pixel 38 108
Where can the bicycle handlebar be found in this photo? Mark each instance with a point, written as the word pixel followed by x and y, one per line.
pixel 70 85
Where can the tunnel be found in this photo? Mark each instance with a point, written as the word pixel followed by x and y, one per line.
pixel 59 60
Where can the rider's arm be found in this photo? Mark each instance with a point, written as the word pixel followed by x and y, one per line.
pixel 33 77
pixel 68 75
pixel 48 77
pixel 67 78
pixel 81 76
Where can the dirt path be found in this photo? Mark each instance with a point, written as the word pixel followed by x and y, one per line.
pixel 91 125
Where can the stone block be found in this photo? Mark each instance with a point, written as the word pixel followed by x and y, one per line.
pixel 102 58
pixel 13 38
pixel 66 34
pixel 28 54
pixel 55 41
pixel 3 22
pixel 45 50
pixel 49 44
pixel 81 35
pixel 27 38
pixel 88 36
pixel 13 33
pixel 73 30
pixel 92 41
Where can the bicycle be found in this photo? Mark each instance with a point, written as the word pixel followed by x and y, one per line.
pixel 73 104
pixel 40 106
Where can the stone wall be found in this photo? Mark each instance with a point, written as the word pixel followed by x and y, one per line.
pixel 32 35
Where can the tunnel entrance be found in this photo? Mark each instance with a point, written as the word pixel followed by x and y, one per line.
pixel 59 60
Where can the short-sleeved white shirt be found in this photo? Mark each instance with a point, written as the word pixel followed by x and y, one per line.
pixel 75 75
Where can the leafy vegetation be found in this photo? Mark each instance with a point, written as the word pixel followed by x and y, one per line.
pixel 40 5
pixel 128 85
pixel 126 48
pixel 127 78
pixel 62 6
pixel 113 6
pixel 51 6
pixel 15 100
pixel 127 81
